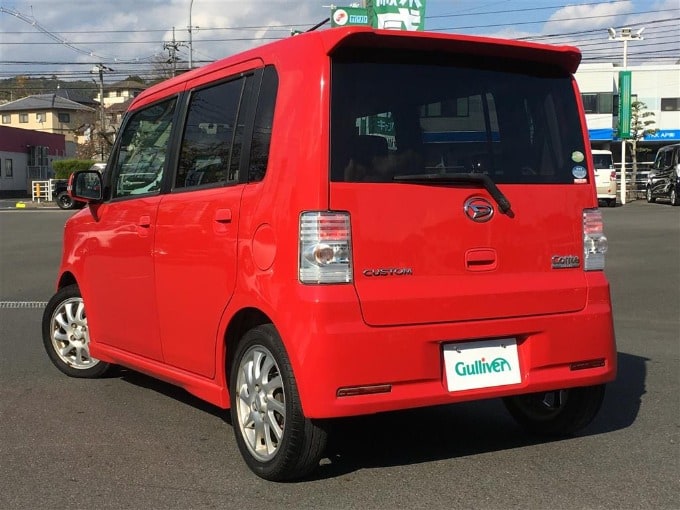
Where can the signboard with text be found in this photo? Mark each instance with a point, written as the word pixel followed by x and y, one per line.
pixel 398 14
pixel 625 79
pixel 386 14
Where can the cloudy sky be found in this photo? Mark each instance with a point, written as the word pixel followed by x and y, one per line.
pixel 66 37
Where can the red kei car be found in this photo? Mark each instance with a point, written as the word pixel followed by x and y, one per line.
pixel 346 222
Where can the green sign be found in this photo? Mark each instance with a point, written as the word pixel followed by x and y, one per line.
pixel 624 104
pixel 387 14
pixel 349 16
pixel 397 14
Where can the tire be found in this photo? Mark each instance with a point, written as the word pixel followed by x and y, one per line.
pixel 611 202
pixel 675 199
pixel 66 337
pixel 64 201
pixel 650 198
pixel 275 439
pixel 556 413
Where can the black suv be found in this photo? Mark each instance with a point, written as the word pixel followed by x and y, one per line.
pixel 664 178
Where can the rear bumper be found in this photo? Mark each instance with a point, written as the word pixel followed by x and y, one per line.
pixel 336 349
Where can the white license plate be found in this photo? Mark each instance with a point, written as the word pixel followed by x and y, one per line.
pixel 482 364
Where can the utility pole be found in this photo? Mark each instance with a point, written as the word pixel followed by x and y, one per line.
pixel 172 48
pixel 99 69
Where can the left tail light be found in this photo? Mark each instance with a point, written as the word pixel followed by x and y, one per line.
pixel 325 247
pixel 594 240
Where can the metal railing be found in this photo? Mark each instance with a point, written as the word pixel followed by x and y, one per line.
pixel 42 190
pixel 635 188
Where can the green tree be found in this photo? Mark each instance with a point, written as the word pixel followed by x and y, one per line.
pixel 641 124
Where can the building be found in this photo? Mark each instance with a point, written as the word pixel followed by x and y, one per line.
pixel 27 155
pixel 49 113
pixel 657 86
pixel 120 92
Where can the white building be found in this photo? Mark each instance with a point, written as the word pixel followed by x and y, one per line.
pixel 657 86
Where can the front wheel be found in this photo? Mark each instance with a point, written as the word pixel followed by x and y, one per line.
pixel 66 336
pixel 556 413
pixel 275 439
pixel 650 198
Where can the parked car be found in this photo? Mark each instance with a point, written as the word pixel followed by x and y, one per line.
pixel 605 176
pixel 61 194
pixel 664 179
pixel 347 222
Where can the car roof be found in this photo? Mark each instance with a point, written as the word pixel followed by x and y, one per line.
pixel 307 50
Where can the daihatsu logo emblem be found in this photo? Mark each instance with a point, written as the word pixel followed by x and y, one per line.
pixel 478 209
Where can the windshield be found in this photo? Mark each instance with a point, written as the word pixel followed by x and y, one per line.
pixel 394 118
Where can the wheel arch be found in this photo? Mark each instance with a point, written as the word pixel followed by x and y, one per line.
pixel 242 321
pixel 67 278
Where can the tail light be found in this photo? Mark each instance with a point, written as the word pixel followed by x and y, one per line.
pixel 594 240
pixel 325 247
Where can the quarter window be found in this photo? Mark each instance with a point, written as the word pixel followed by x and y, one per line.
pixel 262 131
pixel 140 162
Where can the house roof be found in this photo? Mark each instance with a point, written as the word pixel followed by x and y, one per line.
pixel 79 96
pixel 43 102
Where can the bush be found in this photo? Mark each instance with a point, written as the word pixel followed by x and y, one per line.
pixel 65 167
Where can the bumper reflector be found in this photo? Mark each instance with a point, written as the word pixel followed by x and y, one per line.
pixel 591 363
pixel 353 391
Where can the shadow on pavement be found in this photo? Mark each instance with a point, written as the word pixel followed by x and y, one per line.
pixel 436 433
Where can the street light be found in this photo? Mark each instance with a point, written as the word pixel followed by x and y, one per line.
pixel 191 43
pixel 626 34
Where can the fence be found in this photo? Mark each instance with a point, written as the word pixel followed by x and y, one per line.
pixel 42 190
pixel 635 188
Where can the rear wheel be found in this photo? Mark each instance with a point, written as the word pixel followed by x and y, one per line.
pixel 650 198
pixel 611 202
pixel 556 413
pixel 275 438
pixel 66 336
pixel 675 199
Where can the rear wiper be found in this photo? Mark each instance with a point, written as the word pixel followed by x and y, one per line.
pixel 479 179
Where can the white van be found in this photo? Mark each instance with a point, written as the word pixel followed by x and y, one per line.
pixel 605 176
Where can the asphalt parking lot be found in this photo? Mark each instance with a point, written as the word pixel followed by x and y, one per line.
pixel 128 441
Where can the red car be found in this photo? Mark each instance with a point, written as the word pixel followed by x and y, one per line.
pixel 346 222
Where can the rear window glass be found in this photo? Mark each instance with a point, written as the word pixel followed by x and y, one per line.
pixel 603 161
pixel 413 115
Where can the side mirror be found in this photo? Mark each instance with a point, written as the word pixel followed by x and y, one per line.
pixel 86 186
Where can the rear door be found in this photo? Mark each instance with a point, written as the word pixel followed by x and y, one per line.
pixel 430 242
pixel 197 226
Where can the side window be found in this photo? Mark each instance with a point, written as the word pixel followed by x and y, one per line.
pixel 211 145
pixel 140 162
pixel 262 131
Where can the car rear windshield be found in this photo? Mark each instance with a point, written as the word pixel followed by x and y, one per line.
pixel 603 161
pixel 409 114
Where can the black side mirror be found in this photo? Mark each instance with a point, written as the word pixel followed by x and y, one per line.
pixel 86 186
